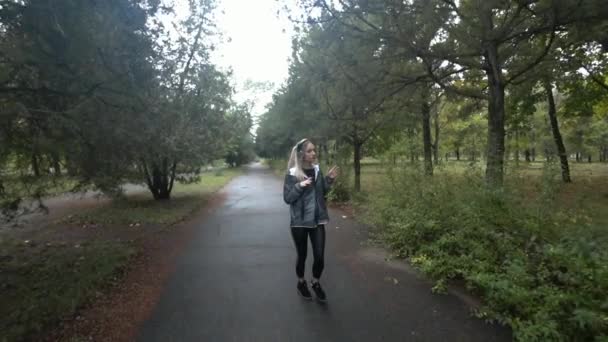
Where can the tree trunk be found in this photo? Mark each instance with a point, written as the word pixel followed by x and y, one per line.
pixel 557 136
pixel 426 134
pixel 56 164
pixel 496 133
pixel 35 165
pixel 516 152
pixel 457 153
pixel 357 164
pixel 325 152
pixel 496 101
pixel 436 142
pixel 161 178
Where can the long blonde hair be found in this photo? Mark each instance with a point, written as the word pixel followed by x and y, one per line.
pixel 297 159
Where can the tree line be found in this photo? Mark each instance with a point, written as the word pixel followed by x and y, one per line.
pixel 498 80
pixel 110 92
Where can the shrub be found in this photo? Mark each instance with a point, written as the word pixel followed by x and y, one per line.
pixel 538 268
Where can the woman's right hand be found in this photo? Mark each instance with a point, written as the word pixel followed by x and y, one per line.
pixel 305 183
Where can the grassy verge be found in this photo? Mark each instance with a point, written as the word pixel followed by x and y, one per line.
pixel 47 280
pixel 278 166
pixel 535 251
pixel 142 209
pixel 41 284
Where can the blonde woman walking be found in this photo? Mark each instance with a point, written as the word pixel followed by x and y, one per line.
pixel 305 190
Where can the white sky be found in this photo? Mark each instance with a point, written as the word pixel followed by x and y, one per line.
pixel 256 44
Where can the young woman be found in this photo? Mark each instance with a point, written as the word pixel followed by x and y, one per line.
pixel 304 190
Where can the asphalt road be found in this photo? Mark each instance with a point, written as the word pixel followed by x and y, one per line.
pixel 236 282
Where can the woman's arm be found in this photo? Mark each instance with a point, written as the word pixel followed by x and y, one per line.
pixel 327 183
pixel 291 189
pixel 329 180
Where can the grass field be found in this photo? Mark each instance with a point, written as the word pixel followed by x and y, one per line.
pixel 588 190
pixel 142 209
pixel 60 268
pixel 534 250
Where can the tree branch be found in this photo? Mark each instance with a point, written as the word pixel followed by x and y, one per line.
pixel 534 63
pixel 595 79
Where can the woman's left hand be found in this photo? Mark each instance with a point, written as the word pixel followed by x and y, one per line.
pixel 333 172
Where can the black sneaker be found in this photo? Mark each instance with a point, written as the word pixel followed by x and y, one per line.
pixel 316 286
pixel 303 290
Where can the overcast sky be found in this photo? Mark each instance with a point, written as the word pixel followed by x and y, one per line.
pixel 259 46
pixel 256 44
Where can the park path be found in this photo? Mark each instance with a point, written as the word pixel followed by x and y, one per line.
pixel 235 281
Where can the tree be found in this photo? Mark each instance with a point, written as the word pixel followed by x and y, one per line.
pixel 477 40
pixel 68 69
pixel 352 85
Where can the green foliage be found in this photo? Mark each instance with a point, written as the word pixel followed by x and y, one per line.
pixel 278 166
pixel 342 188
pixel 241 148
pixel 539 269
pixel 103 92
pixel 44 283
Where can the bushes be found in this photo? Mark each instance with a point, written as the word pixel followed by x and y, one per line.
pixel 538 268
pixel 279 166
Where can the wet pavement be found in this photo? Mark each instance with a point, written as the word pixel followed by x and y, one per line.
pixel 236 282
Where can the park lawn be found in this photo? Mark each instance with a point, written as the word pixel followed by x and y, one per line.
pixel 535 252
pixel 141 209
pixel 67 265
pixel 588 192
pixel 43 283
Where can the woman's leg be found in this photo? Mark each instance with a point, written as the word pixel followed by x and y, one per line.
pixel 317 240
pixel 299 238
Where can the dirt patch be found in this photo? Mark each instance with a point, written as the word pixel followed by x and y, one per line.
pixel 118 314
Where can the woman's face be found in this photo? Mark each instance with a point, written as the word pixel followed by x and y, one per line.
pixel 310 153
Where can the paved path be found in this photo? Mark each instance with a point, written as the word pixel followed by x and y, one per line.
pixel 236 282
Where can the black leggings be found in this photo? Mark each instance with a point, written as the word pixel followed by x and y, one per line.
pixel 317 240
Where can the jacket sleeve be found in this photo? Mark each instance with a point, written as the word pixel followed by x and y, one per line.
pixel 291 189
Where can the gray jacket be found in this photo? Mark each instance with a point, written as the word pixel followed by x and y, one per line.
pixel 302 201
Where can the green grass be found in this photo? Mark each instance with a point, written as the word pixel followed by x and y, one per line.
pixel 278 166
pixel 142 209
pixel 534 251
pixel 588 192
pixel 42 284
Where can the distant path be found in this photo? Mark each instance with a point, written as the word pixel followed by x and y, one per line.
pixel 236 282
